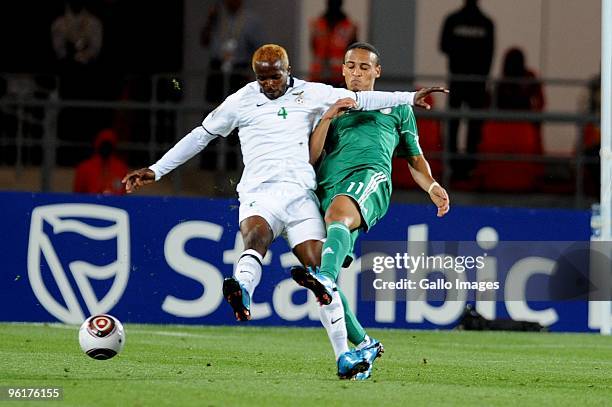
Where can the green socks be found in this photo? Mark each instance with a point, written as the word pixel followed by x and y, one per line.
pixel 335 249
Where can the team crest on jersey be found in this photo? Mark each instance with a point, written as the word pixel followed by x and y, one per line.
pixel 300 97
pixel 386 110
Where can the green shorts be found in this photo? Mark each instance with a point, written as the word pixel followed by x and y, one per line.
pixel 369 188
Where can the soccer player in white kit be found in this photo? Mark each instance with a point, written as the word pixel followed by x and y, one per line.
pixel 275 116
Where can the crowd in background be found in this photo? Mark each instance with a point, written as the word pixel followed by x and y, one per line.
pixel 92 45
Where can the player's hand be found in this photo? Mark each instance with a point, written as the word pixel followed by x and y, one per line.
pixel 421 95
pixel 136 179
pixel 440 198
pixel 338 108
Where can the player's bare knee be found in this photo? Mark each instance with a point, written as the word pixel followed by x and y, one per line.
pixel 343 210
pixel 338 217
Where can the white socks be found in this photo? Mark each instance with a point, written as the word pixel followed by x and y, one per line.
pixel 248 270
pixel 367 341
pixel 332 318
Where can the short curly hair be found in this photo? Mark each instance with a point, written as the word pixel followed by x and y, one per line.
pixel 271 52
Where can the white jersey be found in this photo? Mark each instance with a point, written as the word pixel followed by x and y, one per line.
pixel 273 134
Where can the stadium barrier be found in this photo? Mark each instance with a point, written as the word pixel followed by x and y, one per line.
pixel 33 136
pixel 163 260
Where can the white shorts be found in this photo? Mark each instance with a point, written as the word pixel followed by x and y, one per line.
pixel 290 211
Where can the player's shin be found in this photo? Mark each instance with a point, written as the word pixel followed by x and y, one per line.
pixel 335 249
pixel 332 318
pixel 248 270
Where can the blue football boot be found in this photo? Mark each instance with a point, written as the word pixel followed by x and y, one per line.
pixel 350 364
pixel 322 287
pixel 370 353
pixel 238 298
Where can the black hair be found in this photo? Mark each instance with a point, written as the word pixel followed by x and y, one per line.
pixel 364 45
pixel 514 63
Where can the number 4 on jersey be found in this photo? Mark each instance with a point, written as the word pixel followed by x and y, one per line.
pixel 282 112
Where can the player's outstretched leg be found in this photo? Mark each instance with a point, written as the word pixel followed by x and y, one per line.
pixel 238 297
pixel 322 287
pixel 332 318
pixel 349 362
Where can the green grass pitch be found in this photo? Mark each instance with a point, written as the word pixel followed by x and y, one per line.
pixel 249 366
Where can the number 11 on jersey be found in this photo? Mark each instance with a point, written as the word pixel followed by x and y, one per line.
pixel 352 184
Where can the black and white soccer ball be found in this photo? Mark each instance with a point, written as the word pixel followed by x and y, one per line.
pixel 101 336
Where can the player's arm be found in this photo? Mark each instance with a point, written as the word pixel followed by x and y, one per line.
pixel 319 135
pixel 421 172
pixel 417 164
pixel 375 100
pixel 185 149
pixel 219 123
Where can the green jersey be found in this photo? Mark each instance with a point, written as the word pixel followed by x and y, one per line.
pixel 360 140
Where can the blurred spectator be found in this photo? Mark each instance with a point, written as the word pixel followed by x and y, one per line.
pixel 77 34
pixel 77 41
pixel 232 34
pixel 330 35
pixel 517 90
pixel 514 94
pixel 467 39
pixel 103 171
pixel 76 37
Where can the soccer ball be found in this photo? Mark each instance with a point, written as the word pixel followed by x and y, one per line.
pixel 101 336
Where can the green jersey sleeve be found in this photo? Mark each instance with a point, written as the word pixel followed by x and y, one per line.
pixel 408 133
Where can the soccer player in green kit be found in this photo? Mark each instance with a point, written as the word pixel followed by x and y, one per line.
pixel 354 179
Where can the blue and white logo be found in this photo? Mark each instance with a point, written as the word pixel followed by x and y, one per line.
pixel 61 239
